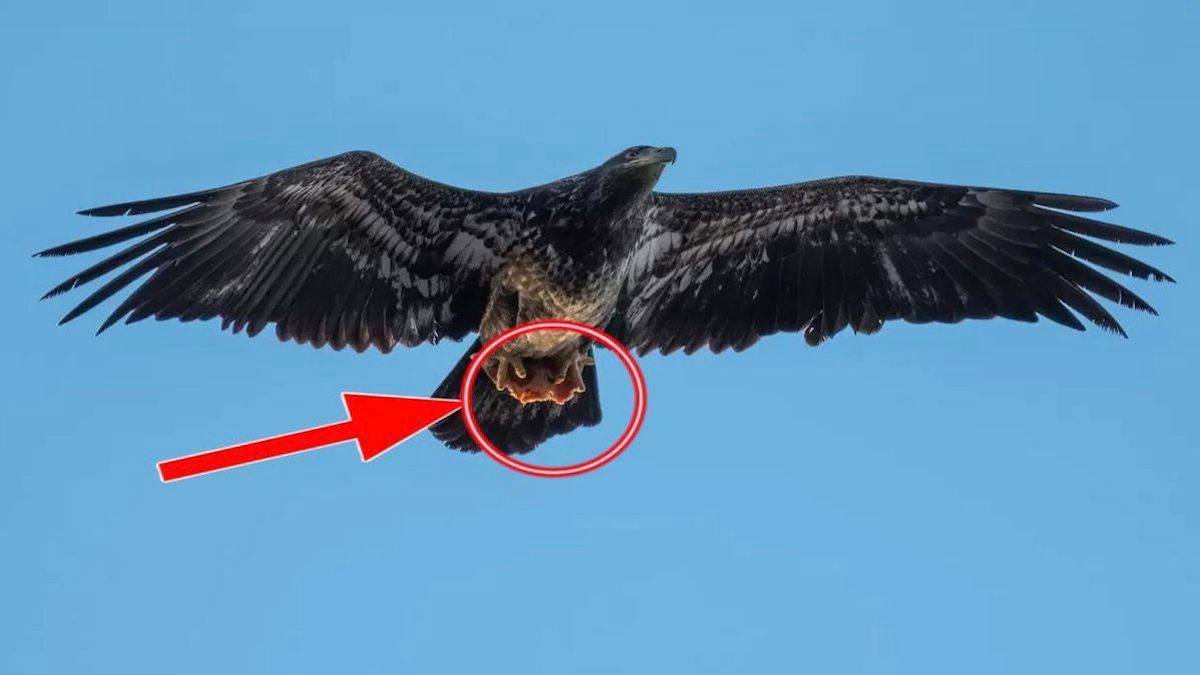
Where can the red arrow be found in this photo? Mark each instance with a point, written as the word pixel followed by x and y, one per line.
pixel 377 423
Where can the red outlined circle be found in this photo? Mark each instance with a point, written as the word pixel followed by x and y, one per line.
pixel 466 395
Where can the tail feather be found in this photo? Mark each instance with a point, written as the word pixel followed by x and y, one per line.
pixel 511 426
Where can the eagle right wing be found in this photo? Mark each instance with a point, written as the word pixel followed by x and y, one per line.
pixel 724 269
pixel 350 250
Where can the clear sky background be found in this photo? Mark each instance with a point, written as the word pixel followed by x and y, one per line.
pixel 982 498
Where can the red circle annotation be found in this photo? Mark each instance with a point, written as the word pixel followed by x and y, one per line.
pixel 466 394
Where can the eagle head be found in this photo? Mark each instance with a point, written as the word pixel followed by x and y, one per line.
pixel 641 158
pixel 632 173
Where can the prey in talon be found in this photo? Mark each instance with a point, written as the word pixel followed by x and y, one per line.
pixel 535 379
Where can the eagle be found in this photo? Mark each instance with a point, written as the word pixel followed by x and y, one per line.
pixel 354 251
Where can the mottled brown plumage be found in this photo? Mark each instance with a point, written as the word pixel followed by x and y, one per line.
pixel 355 251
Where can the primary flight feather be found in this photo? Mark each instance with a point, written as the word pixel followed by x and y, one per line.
pixel 354 251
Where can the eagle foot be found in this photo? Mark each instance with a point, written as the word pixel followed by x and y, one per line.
pixel 533 380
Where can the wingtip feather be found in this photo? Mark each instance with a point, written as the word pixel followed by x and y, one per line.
pixel 1074 202
pixel 150 205
pixel 100 211
pixel 55 251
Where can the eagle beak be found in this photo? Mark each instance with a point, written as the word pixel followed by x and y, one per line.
pixel 664 155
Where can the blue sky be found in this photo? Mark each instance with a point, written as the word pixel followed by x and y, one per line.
pixel 982 498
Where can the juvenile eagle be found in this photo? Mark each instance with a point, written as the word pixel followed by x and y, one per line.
pixel 355 251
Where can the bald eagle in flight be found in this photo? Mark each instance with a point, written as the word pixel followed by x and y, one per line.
pixel 353 251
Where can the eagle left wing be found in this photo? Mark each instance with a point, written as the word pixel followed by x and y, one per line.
pixel 723 269
pixel 350 250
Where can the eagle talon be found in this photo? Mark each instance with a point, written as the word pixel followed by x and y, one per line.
pixel 503 370
pixel 573 369
pixel 562 373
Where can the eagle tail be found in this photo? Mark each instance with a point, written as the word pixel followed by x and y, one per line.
pixel 513 427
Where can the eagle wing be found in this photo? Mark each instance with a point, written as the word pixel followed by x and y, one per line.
pixel 726 268
pixel 350 250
